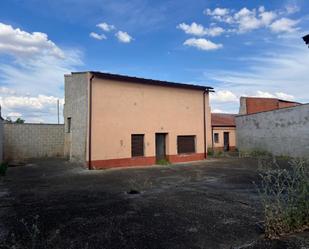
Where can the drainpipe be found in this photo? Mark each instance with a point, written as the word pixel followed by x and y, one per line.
pixel 90 123
pixel 204 122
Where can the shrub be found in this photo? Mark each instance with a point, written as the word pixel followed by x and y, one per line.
pixel 163 162
pixel 210 151
pixel 3 168
pixel 285 198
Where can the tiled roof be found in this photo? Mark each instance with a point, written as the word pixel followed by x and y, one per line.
pixel 222 119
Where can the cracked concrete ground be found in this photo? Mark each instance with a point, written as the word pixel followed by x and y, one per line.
pixel 207 204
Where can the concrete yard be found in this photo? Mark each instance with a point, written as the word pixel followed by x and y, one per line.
pixel 207 204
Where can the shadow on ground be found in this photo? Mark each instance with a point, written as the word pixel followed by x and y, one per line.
pixel 209 204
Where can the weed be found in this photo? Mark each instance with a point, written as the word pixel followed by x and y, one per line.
pixel 163 162
pixel 139 185
pixel 210 151
pixel 285 198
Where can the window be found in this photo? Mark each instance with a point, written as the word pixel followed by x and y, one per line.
pixel 69 125
pixel 185 144
pixel 137 145
pixel 216 137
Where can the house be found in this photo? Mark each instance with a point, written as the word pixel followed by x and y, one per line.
pixel 250 105
pixel 114 120
pixel 223 132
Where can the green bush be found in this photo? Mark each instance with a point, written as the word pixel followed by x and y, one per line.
pixel 163 162
pixel 3 169
pixel 210 151
pixel 285 198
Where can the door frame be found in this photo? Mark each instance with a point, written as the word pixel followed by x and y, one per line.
pixel 226 142
pixel 162 134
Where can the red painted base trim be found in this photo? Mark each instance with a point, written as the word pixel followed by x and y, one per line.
pixel 143 161
pixel 123 162
pixel 185 157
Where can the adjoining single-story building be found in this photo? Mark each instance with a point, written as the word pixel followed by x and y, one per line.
pixel 223 132
pixel 250 105
pixel 114 120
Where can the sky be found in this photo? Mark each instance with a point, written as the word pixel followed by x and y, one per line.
pixel 240 48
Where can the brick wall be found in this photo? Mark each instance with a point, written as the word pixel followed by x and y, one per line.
pixel 24 141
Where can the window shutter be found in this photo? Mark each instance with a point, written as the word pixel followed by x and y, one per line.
pixel 137 145
pixel 186 144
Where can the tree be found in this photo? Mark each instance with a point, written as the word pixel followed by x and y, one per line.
pixel 19 121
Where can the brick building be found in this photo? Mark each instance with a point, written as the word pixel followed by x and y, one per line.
pixel 250 105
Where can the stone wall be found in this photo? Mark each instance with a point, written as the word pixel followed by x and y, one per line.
pixel 24 141
pixel 281 132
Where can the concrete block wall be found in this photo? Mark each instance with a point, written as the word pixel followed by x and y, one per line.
pixel 76 108
pixel 281 132
pixel 25 141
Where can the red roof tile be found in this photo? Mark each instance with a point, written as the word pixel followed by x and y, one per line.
pixel 222 119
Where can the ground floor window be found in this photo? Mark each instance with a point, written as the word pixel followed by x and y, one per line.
pixel 185 144
pixel 216 137
pixel 137 145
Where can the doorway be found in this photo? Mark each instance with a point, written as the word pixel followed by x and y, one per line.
pixel 226 136
pixel 160 146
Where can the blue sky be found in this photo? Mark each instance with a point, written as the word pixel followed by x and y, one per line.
pixel 251 48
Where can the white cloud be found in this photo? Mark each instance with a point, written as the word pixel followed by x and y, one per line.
pixel 217 111
pixel 223 96
pixel 279 95
pixel 200 30
pixel 202 44
pixel 246 20
pixel 17 42
pixel 14 115
pixel 97 36
pixel 292 8
pixel 31 108
pixel 217 12
pixel 123 37
pixel 106 27
pixel 37 70
pixel 283 25
pixel 193 29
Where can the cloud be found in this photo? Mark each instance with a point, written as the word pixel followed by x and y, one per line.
pixel 223 96
pixel 292 8
pixel 17 42
pixel 279 95
pixel 14 115
pixel 199 30
pixel 31 108
pixel 284 25
pixel 106 27
pixel 245 20
pixel 97 36
pixel 202 44
pixel 36 71
pixel 217 12
pixel 217 111
pixel 123 37
pixel 193 29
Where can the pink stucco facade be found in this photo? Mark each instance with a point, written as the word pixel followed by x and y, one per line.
pixel 118 109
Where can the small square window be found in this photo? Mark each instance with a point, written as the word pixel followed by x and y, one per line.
pixel 137 145
pixel 69 125
pixel 216 137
